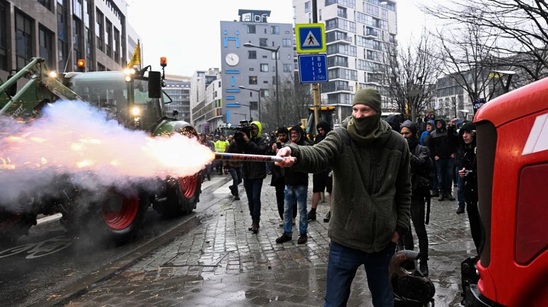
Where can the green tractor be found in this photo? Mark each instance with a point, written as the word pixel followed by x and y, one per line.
pixel 136 100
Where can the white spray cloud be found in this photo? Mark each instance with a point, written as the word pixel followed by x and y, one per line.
pixel 76 140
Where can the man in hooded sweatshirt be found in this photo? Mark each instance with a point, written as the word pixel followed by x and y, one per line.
pixel 371 196
pixel 253 172
pixel 296 190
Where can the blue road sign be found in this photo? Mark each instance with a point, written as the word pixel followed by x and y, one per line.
pixel 310 37
pixel 313 68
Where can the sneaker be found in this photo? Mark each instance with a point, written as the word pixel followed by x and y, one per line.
pixel 281 224
pixel 312 215
pixel 302 239
pixel 236 197
pixel 460 209
pixel 450 197
pixel 434 194
pixel 423 267
pixel 327 217
pixel 284 238
pixel 253 225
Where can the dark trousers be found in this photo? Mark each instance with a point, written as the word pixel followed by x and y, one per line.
pixel 475 223
pixel 418 216
pixel 253 189
pixel 445 168
pixel 236 173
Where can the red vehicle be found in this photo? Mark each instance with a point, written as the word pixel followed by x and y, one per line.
pixel 512 158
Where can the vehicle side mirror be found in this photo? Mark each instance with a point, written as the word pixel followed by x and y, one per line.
pixel 154 84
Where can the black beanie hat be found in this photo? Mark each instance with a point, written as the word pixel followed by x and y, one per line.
pixel 282 130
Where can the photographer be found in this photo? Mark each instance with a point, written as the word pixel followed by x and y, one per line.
pixel 466 161
pixel 249 141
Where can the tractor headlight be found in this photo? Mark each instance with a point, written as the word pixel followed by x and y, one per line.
pixel 136 112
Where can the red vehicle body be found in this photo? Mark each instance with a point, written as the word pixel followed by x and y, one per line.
pixel 512 159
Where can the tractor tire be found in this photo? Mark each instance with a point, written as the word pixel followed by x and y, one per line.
pixel 182 195
pixel 115 219
pixel 13 226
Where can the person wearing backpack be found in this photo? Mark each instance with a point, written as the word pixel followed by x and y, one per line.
pixel 421 179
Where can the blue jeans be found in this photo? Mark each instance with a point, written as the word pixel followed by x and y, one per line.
pixel 445 168
pixel 299 194
pixel 253 189
pixel 236 173
pixel 341 269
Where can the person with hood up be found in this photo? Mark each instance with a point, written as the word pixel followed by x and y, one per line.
pixel 421 177
pixel 466 162
pixel 253 172
pixel 321 181
pixel 370 200
pixel 296 190
pixel 443 144
pixel 278 174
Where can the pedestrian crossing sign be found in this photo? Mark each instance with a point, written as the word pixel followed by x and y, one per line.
pixel 310 37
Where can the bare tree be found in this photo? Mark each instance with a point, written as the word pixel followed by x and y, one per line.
pixel 411 73
pixel 295 99
pixel 521 27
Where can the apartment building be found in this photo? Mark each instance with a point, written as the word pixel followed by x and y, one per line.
pixel 63 31
pixel 357 35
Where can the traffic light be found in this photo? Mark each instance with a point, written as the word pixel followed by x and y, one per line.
pixel 81 63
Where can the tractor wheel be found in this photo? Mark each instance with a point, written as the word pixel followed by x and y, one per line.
pixel 117 218
pixel 13 226
pixel 182 195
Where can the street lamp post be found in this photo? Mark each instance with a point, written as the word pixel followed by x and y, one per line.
pixel 276 51
pixel 258 101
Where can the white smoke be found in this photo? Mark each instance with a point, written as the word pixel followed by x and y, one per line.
pixel 74 140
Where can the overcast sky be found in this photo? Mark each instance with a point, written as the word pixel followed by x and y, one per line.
pixel 188 34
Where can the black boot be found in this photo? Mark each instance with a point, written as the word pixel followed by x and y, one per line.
pixel 423 267
pixel 312 215
pixel 460 209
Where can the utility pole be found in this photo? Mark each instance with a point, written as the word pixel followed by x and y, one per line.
pixel 315 87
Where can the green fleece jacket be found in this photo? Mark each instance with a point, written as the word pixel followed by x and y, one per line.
pixel 371 186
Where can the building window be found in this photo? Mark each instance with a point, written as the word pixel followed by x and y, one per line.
pixel 264 67
pixel 288 68
pixel 116 45
pixel 23 39
pixel 263 42
pixel 108 38
pixel 99 30
pixel 252 80
pixel 77 8
pixel 286 42
pixel 3 35
pixel 45 41
pixel 251 29
pixel 62 39
pixel 78 42
pixel 45 3
pixel 275 30
pixel 252 54
pixel 307 7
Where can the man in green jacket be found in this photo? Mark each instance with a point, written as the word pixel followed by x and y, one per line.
pixel 371 196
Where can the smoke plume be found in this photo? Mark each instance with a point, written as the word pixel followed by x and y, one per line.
pixel 76 141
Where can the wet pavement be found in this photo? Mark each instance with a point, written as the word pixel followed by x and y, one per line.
pixel 221 263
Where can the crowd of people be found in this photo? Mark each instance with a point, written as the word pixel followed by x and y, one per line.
pixel 379 176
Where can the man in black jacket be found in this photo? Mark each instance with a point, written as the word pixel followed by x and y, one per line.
pixel 443 147
pixel 466 161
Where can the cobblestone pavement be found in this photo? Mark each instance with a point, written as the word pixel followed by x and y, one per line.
pixel 221 263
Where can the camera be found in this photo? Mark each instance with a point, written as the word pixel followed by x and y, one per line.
pixel 279 145
pixel 243 127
